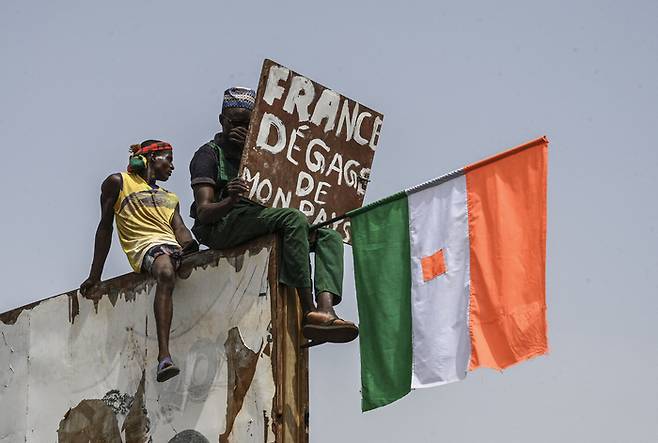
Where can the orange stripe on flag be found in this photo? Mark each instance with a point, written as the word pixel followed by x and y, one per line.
pixel 507 232
pixel 433 265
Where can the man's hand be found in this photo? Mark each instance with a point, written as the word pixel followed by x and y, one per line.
pixel 238 135
pixel 88 288
pixel 189 248
pixel 236 188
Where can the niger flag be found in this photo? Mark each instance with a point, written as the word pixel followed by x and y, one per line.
pixel 450 275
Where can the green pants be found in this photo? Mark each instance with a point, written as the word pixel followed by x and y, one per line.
pixel 248 221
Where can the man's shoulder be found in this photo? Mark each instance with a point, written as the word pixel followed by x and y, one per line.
pixel 115 177
pixel 203 167
pixel 205 148
pixel 204 153
pixel 113 182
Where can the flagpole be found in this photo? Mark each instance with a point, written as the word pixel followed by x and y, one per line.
pixel 353 212
pixel 433 182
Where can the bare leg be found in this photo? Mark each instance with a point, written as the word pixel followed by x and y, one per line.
pixel 325 302
pixel 163 271
pixel 306 299
pixel 322 325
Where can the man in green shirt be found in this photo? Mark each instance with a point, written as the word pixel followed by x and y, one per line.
pixel 224 218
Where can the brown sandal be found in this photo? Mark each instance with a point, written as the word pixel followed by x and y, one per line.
pixel 334 330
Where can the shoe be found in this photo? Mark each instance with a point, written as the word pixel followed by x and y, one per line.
pixel 166 369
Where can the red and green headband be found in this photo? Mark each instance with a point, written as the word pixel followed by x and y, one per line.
pixel 153 147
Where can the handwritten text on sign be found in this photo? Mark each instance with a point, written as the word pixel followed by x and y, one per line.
pixel 308 147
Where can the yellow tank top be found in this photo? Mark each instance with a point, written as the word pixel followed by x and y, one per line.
pixel 143 216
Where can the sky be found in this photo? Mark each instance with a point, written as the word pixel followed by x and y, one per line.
pixel 457 81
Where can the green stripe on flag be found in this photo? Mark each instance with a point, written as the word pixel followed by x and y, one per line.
pixel 380 245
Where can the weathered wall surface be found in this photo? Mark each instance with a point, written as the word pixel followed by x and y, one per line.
pixel 75 370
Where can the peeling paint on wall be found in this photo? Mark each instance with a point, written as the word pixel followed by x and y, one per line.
pixel 89 421
pixel 101 351
pixel 136 424
pixel 97 421
pixel 74 306
pixel 10 317
pixel 241 368
pixel 266 420
pixel 118 402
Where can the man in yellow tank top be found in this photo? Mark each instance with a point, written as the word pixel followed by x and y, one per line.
pixel 151 232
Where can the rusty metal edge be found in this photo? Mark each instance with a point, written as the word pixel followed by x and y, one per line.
pixel 132 280
pixel 277 401
pixel 290 365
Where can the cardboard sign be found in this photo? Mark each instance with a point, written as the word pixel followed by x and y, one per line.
pixel 308 147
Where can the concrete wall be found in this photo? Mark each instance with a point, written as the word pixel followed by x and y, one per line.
pixel 77 370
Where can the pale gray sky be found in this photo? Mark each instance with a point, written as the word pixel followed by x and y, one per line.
pixel 81 81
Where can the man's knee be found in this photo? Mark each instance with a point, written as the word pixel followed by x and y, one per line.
pixel 163 271
pixel 166 277
pixel 330 234
pixel 295 218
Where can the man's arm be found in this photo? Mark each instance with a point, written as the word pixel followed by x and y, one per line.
pixel 207 210
pixel 182 234
pixel 109 194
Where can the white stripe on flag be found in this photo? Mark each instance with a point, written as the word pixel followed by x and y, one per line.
pixel 438 220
